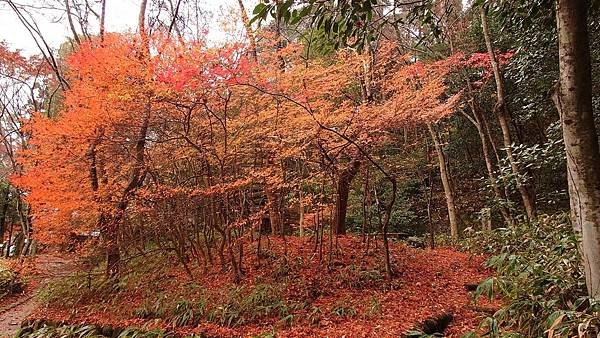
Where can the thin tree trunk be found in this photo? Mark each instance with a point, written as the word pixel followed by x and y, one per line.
pixel 142 18
pixel 23 217
pixel 258 242
pixel 384 229
pixel 478 122
pixel 249 32
pixel 574 102
pixel 71 24
pixel 102 19
pixel 274 212
pixel 366 204
pixel 301 222
pixel 6 200
pixel 445 175
pixel 175 14
pixel 429 192
pixel 9 241
pixel 111 225
pixel 503 115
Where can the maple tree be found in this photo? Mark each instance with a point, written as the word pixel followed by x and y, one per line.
pixel 25 84
pixel 191 125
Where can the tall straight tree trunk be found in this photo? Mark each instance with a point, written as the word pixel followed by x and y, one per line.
pixel 102 19
pixel 574 102
pixel 343 190
pixel 498 193
pixel 108 230
pixel 503 115
pixel 446 182
pixel 478 121
pixel 142 19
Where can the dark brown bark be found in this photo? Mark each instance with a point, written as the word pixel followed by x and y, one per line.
pixel 175 11
pixel 9 241
pixel 110 230
pixel 23 212
pixel 343 189
pixel 71 24
pixel 142 18
pixel 428 180
pixel 3 211
pixel 92 158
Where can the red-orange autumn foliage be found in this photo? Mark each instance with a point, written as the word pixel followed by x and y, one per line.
pixel 192 148
pixel 107 83
pixel 220 129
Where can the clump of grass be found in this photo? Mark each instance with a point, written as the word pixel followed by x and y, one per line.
pixel 185 314
pixel 73 290
pixel 93 288
pixel 245 305
pixel 87 331
pixel 66 331
pixel 374 307
pixel 150 310
pixel 358 278
pixel 344 308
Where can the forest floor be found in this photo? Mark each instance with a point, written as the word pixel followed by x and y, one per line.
pixel 291 292
pixel 44 269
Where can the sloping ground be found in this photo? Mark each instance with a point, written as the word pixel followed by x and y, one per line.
pixel 295 297
pixel 15 309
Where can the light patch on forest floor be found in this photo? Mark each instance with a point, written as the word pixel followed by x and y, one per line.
pixel 15 309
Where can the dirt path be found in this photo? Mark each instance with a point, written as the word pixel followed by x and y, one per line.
pixel 50 267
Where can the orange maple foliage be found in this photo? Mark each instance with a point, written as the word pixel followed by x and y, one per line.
pixel 191 148
pixel 102 106
pixel 219 127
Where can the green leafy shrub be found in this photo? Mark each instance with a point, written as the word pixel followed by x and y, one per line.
pixel 421 334
pixel 72 290
pixel 270 334
pixel 540 277
pixel 92 287
pixel 134 332
pixel 315 315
